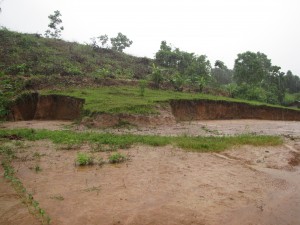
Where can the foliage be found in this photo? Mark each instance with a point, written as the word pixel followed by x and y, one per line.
pixel 178 81
pixel 156 76
pixel 84 159
pixel 9 88
pixel 185 65
pixel 104 40
pixel 29 54
pixel 201 144
pixel 221 75
pixel 117 158
pixel 142 86
pixel 55 21
pixel 251 68
pixel 120 42
pixel 265 82
pixel 292 82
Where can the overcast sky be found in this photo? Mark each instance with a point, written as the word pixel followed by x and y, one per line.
pixel 219 29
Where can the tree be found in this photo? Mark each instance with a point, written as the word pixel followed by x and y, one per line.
pixel 275 85
pixel 220 64
pixel 221 74
pixel 292 82
pixel 103 39
pixel 251 68
pixel 54 25
pixel 120 42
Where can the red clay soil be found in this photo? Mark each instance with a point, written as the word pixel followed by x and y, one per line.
pixel 49 107
pixel 187 110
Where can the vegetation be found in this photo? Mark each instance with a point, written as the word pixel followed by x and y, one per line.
pixel 55 21
pixel 116 158
pixel 186 67
pixel 31 54
pixel 129 99
pixel 200 144
pixel 118 43
pixel 29 61
pixel 84 159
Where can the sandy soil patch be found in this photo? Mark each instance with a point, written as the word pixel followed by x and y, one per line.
pixel 38 124
pixel 218 127
pixel 163 185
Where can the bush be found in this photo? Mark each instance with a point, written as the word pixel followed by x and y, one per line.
pixel 117 158
pixel 84 159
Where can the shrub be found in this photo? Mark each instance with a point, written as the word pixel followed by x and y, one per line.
pixel 84 159
pixel 117 158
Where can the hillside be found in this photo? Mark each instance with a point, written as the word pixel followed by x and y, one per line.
pixel 31 63
pixel 31 54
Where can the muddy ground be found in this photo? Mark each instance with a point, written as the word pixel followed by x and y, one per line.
pixel 162 185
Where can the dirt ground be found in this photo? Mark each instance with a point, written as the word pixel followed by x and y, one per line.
pixel 162 185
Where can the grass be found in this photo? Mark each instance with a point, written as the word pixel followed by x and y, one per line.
pixel 116 158
pixel 84 159
pixel 199 144
pixel 129 100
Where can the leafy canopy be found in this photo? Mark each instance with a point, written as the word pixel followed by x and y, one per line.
pixel 54 25
pixel 120 42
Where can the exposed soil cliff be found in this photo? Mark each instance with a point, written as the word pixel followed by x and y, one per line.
pixel 184 110
pixel 48 107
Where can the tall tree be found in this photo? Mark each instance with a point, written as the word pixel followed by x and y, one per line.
pixel 221 74
pixel 220 64
pixel 54 25
pixel 120 42
pixel 275 85
pixel 292 82
pixel 251 68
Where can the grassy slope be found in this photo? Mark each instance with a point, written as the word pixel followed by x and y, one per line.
pixel 128 99
pixel 30 54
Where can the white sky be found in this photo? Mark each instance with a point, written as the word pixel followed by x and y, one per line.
pixel 219 29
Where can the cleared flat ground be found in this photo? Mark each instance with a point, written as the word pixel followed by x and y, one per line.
pixel 162 185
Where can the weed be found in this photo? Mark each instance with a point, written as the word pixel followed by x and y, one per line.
pixel 57 197
pixel 142 86
pixel 124 124
pixel 97 189
pixel 206 129
pixel 99 147
pixel 101 161
pixel 38 155
pixel 84 159
pixel 69 146
pixel 117 158
pixel 37 169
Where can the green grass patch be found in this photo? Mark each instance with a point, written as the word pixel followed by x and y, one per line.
pixel 200 144
pixel 84 159
pixel 116 158
pixel 129 100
